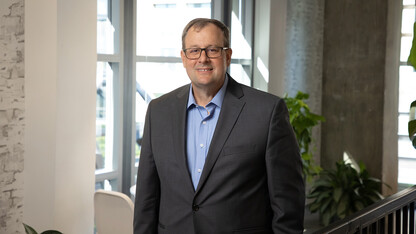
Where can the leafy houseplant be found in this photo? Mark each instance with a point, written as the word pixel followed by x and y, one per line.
pixel 343 191
pixel 30 230
pixel 303 121
pixel 412 124
pixel 412 120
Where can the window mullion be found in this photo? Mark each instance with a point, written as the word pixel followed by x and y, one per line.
pixel 111 58
pixel 128 95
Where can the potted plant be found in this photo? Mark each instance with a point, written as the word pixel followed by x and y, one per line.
pixel 340 192
pixel 303 120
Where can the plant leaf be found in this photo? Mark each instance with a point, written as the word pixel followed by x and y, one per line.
pixel 342 206
pixel 314 207
pixel 326 218
pixel 302 121
pixel 358 205
pixel 412 131
pixel 51 232
pixel 29 229
pixel 337 194
pixel 412 55
pixel 324 206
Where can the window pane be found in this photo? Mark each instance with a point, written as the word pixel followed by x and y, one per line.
pixel 241 40
pixel 408 18
pixel 162 37
pixel 240 73
pixel 408 2
pixel 108 22
pixel 238 39
pixel 406 148
pixel 109 185
pixel 105 160
pixel 159 78
pixel 403 124
pixel 152 81
pixel 406 45
pixel 407 84
pixel 407 173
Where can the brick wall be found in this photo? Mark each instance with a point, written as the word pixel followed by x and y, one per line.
pixel 11 115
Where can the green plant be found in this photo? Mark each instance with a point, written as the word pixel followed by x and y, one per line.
pixel 30 230
pixel 343 191
pixel 412 124
pixel 303 120
pixel 412 61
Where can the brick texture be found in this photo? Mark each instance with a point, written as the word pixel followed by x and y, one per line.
pixel 11 115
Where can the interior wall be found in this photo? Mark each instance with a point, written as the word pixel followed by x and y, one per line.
pixel 41 101
pixel 12 115
pixel 353 82
pixel 60 68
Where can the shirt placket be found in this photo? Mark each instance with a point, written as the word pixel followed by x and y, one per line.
pixel 203 139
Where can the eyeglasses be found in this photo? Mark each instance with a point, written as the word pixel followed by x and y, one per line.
pixel 211 52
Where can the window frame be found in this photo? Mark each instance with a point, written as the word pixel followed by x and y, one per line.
pixel 113 175
pixel 124 120
pixel 403 136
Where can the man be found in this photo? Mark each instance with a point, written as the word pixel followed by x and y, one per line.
pixel 217 156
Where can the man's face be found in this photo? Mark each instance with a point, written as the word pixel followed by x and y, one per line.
pixel 206 72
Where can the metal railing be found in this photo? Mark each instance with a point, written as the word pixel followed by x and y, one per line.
pixel 394 214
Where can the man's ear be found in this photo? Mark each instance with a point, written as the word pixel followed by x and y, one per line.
pixel 183 57
pixel 228 52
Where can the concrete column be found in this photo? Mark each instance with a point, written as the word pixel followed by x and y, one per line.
pixel 354 82
pixel 304 56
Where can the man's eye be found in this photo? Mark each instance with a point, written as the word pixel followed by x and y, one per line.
pixel 213 50
pixel 193 51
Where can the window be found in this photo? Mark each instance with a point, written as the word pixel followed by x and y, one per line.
pixel 158 64
pixel 242 18
pixel 407 94
pixel 139 60
pixel 108 112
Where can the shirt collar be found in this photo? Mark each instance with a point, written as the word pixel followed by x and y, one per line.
pixel 217 100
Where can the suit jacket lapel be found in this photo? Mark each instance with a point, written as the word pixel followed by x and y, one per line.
pixel 231 109
pixel 179 133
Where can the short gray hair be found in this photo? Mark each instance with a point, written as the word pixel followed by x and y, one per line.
pixel 200 23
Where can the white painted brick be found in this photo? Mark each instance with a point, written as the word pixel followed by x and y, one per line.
pixel 6 178
pixel 12 106
pixel 14 164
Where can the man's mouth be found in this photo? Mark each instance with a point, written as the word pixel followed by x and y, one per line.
pixel 204 69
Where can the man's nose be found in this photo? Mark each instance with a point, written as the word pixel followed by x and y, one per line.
pixel 203 58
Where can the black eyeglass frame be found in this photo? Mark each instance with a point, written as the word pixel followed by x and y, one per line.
pixel 205 49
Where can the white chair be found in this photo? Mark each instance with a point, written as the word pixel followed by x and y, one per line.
pixel 113 212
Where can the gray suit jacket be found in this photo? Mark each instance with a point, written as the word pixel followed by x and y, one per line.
pixel 252 178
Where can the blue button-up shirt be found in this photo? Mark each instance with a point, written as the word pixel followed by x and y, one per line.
pixel 201 122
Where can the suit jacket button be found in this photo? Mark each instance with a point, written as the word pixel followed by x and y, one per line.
pixel 195 207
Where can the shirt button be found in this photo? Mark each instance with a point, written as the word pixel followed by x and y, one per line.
pixel 202 145
pixel 195 207
pixel 199 170
pixel 205 122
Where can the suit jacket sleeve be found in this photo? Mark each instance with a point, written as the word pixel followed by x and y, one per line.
pixel 284 173
pixel 146 208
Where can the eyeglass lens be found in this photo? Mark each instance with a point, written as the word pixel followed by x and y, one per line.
pixel 211 52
